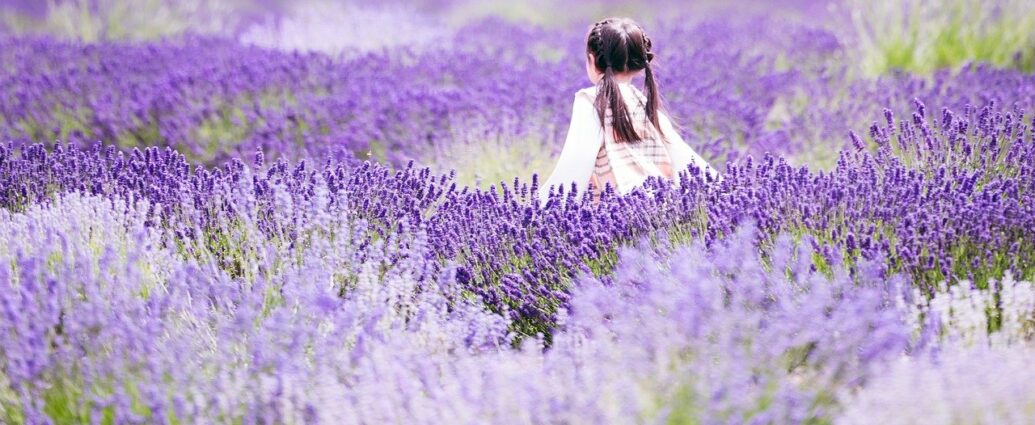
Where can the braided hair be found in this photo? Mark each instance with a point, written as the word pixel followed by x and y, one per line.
pixel 620 45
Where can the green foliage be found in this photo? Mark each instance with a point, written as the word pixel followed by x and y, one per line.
pixel 481 162
pixel 64 402
pixel 923 36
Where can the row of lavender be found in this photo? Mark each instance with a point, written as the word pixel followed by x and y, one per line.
pixel 728 83
pixel 945 197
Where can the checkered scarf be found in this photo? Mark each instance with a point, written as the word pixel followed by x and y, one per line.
pixel 624 166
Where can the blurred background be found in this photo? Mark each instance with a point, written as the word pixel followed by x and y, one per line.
pixel 332 26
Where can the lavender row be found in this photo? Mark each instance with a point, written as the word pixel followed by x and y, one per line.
pixel 213 99
pixel 941 196
pixel 728 83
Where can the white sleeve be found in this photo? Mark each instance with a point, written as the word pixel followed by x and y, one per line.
pixel 579 154
pixel 682 154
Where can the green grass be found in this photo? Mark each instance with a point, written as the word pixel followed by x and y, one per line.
pixel 923 36
pixel 65 401
pixel 485 162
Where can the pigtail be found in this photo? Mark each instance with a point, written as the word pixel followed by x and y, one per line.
pixel 653 99
pixel 605 91
pixel 609 96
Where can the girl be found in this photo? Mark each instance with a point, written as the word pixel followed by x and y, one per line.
pixel 618 136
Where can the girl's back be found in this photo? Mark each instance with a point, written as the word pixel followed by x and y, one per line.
pixel 619 136
pixel 625 165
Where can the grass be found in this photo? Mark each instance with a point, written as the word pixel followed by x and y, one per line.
pixel 924 36
pixel 482 162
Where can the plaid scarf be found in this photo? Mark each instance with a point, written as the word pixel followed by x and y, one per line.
pixel 624 166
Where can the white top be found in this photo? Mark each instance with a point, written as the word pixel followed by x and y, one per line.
pixel 586 135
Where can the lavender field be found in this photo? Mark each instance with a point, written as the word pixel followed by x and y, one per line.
pixel 263 211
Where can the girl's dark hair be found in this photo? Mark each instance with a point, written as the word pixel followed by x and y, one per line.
pixel 620 45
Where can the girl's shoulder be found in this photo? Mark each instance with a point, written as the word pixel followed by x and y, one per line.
pixel 588 93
